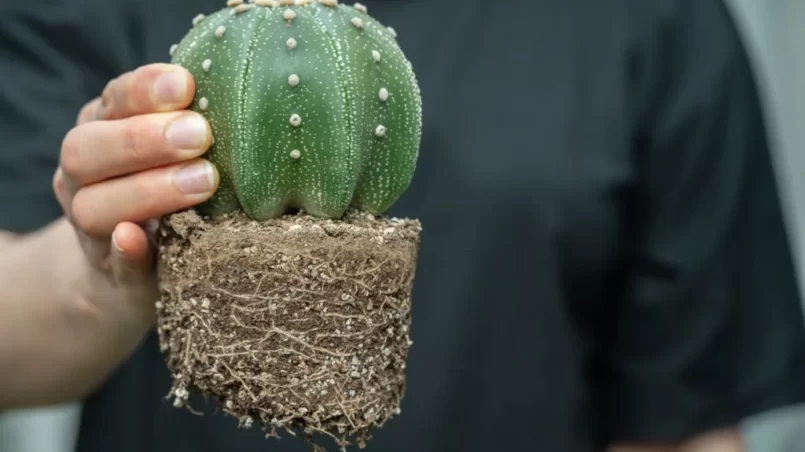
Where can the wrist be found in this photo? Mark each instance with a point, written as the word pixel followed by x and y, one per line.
pixel 44 323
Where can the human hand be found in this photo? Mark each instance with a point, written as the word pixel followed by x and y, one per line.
pixel 132 157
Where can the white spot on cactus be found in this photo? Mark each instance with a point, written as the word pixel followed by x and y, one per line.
pixel 295 154
pixel 357 22
pixel 242 8
pixel 293 80
pixel 296 120
pixel 376 56
pixel 286 2
pixel 173 49
pixel 360 7
pixel 289 14
pixel 231 3
pixel 380 131
pixel 219 32
pixel 206 65
pixel 384 94
pixel 392 31
pixel 197 20
pixel 291 43
pixel 271 3
pixel 329 2
pixel 203 103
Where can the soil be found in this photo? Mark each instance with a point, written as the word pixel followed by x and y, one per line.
pixel 298 323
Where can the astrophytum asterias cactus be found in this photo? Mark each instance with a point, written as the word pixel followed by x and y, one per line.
pixel 312 105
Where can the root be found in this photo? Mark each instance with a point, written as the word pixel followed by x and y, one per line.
pixel 300 324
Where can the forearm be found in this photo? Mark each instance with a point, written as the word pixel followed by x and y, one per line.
pixel 43 324
pixel 726 440
pixel 7 238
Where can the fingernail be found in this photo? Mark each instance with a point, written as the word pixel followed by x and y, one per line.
pixel 114 242
pixel 187 132
pixel 170 87
pixel 196 178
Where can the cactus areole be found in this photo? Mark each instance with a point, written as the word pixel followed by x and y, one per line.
pixel 312 105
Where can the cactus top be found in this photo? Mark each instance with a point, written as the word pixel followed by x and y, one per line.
pixel 312 105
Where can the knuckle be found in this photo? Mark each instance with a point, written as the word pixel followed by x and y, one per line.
pixel 137 140
pixel 111 106
pixel 147 195
pixel 152 195
pixel 70 155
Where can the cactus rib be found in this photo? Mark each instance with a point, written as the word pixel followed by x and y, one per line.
pixel 313 106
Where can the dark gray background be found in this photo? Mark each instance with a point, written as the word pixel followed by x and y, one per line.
pixel 773 27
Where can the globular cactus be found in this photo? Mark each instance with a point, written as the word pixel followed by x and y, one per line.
pixel 312 105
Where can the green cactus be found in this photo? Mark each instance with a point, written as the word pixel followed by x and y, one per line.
pixel 312 105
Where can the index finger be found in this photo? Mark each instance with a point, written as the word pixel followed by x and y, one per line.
pixel 154 88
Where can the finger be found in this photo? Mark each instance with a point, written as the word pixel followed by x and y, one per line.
pixel 132 251
pixel 100 150
pixel 62 192
pixel 148 89
pixel 61 186
pixel 89 111
pixel 98 208
pixel 133 259
pixel 96 250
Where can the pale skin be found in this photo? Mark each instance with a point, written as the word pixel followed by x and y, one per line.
pixel 79 294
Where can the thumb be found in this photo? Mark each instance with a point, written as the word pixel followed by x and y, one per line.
pixel 133 259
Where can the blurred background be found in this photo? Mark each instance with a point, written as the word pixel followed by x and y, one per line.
pixel 772 29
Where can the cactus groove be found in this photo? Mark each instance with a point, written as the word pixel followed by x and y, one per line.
pixel 312 105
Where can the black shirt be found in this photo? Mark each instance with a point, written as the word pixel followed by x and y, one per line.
pixel 603 256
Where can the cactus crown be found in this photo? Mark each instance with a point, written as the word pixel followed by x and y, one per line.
pixel 312 105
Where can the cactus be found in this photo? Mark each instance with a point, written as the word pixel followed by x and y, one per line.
pixel 312 105
pixel 300 322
